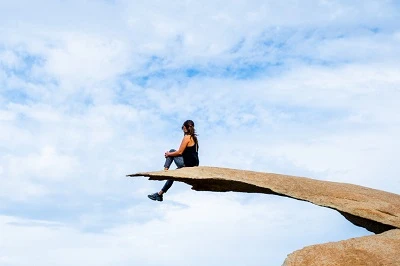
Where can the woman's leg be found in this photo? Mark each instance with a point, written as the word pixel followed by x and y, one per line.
pixel 166 186
pixel 178 160
pixel 168 161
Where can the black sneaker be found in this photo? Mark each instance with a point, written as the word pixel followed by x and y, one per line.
pixel 156 197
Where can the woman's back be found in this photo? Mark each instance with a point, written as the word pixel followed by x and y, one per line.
pixel 190 155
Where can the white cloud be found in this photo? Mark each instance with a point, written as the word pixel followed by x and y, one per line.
pixel 84 58
pixel 10 59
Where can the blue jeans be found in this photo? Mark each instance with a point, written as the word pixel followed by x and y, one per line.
pixel 178 160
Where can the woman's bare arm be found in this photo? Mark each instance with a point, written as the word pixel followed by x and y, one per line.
pixel 182 147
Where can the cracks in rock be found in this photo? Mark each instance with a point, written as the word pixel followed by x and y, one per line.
pixel 388 213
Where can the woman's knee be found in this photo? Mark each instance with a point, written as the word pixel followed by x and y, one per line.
pixel 172 150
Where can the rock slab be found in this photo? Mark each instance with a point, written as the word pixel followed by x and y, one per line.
pixel 377 211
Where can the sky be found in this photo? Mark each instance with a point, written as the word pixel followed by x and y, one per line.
pixel 91 91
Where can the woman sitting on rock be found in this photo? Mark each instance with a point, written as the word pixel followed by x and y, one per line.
pixel 185 156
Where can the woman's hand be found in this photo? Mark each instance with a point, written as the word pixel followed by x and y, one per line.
pixel 166 154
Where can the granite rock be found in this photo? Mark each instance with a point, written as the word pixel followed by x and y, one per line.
pixel 377 211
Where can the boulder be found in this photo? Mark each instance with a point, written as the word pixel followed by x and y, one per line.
pixel 376 250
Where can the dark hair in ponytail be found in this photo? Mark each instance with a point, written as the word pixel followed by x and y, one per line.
pixel 189 124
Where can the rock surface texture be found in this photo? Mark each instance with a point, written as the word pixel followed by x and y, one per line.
pixel 376 250
pixel 375 210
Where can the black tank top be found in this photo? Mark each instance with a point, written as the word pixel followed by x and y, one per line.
pixel 190 155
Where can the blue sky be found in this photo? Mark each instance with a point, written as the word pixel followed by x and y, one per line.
pixel 93 90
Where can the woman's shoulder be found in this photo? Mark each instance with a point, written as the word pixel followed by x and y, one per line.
pixel 187 138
